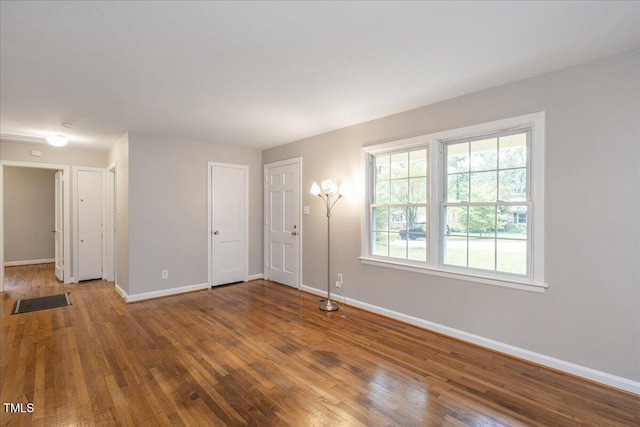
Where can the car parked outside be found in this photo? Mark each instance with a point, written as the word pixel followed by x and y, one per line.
pixel 417 230
pixel 414 231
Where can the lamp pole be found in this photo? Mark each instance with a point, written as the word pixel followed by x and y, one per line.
pixel 329 189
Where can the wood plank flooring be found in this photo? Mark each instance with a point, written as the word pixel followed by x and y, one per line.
pixel 260 353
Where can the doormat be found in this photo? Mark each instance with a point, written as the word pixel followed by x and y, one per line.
pixel 40 303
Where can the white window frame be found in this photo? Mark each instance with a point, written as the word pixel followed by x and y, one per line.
pixel 535 280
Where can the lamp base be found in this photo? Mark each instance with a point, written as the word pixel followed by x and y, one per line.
pixel 328 305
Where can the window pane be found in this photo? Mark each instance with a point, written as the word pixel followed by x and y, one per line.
pixel 484 154
pixel 484 187
pixel 456 220
pixel 382 167
pixel 380 245
pixel 418 163
pixel 482 254
pixel 380 219
pixel 399 191
pixel 458 188
pixel 513 185
pixel 417 216
pixel 455 250
pixel 418 190
pixel 397 246
pixel 382 192
pixel 513 151
pixel 398 219
pixel 458 157
pixel 400 165
pixel 417 249
pixel 512 222
pixel 482 220
pixel 512 256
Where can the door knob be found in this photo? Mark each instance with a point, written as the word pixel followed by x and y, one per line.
pixel 216 232
pixel 294 233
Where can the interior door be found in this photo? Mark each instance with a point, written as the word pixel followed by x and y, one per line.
pixel 89 225
pixel 228 220
pixel 282 222
pixel 59 241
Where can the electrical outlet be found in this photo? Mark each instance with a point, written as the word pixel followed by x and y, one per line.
pixel 339 277
pixel 165 274
pixel 338 284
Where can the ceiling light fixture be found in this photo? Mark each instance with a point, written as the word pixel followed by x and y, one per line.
pixel 57 140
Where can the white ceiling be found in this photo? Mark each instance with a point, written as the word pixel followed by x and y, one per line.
pixel 261 74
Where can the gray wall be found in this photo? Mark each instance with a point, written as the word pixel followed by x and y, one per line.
pixel 20 152
pixel 168 209
pixel 29 214
pixel 590 314
pixel 119 153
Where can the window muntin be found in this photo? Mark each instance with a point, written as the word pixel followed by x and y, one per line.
pixel 486 203
pixel 399 212
pixel 520 200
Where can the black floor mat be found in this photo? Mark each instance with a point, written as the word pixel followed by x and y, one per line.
pixel 40 303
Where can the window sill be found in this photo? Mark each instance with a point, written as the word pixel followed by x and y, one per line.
pixel 513 283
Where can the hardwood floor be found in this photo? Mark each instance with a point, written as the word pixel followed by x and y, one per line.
pixel 260 353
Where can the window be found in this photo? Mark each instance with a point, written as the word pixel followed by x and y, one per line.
pixel 465 203
pixel 486 185
pixel 399 208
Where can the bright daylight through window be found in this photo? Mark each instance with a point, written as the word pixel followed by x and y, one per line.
pixel 399 211
pixel 486 203
pixel 460 203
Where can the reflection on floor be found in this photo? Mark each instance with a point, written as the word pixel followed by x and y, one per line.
pixel 263 354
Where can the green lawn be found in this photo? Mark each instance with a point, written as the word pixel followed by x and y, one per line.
pixel 511 254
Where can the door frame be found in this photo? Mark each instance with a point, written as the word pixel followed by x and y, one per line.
pixel 245 169
pixel 266 167
pixel 65 212
pixel 112 223
pixel 75 224
pixel 58 228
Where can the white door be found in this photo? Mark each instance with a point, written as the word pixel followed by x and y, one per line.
pixel 283 223
pixel 228 224
pixel 89 225
pixel 59 245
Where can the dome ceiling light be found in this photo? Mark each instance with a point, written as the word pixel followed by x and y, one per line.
pixel 57 140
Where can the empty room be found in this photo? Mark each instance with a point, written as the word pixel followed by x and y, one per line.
pixel 308 213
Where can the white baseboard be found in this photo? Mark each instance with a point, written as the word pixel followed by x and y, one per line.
pixel 541 359
pixel 255 277
pixel 161 293
pixel 122 293
pixel 29 262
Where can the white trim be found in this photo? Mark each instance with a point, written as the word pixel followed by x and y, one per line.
pixel 76 237
pixel 66 233
pixel 121 292
pixel 29 262
pixel 521 353
pixel 245 169
pixel 111 222
pixel 265 222
pixel 255 277
pixel 536 280
pixel 161 293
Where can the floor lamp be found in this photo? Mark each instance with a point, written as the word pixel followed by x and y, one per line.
pixel 328 192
